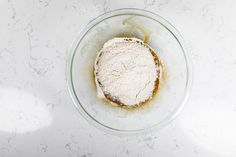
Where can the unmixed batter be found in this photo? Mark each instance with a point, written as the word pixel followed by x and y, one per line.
pixel 126 72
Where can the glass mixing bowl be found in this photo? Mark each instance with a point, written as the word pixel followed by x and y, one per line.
pixel 174 86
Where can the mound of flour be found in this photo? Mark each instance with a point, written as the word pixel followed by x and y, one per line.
pixel 126 72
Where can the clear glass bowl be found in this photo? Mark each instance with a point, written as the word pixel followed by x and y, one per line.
pixel 167 43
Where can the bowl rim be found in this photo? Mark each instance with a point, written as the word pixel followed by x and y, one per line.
pixel 82 34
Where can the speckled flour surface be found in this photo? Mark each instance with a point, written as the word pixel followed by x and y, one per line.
pixel 126 71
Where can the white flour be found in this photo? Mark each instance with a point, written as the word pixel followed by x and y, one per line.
pixel 126 71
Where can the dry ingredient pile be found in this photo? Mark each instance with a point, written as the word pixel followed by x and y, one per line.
pixel 126 72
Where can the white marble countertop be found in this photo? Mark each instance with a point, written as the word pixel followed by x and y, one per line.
pixel 38 118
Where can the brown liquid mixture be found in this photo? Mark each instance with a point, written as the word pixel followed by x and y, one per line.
pixel 146 35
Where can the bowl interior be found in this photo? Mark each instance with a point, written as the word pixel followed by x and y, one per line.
pixel 162 39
